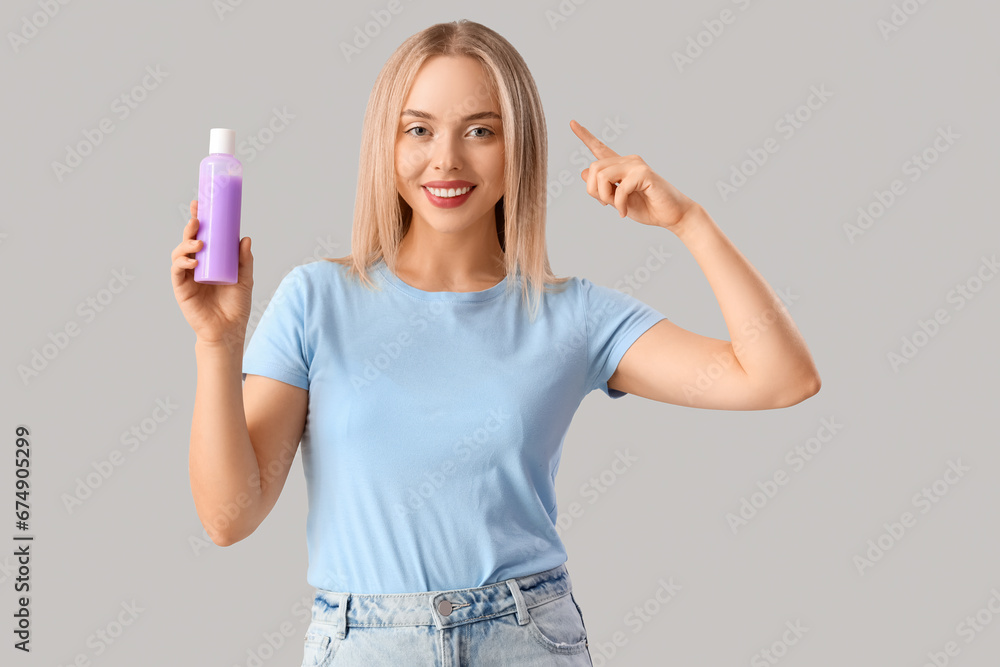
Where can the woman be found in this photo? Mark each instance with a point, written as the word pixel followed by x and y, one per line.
pixel 440 364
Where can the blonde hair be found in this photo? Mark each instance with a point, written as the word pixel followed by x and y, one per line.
pixel 382 216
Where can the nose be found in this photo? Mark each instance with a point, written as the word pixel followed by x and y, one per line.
pixel 447 152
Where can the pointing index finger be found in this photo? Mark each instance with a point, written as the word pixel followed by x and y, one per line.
pixel 596 146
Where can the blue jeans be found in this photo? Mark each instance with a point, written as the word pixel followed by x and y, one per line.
pixel 530 621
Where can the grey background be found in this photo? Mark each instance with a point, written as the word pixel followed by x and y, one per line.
pixel 137 537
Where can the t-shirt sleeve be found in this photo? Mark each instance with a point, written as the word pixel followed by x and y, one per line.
pixel 277 347
pixel 614 321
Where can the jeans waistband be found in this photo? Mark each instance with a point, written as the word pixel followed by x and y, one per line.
pixel 441 608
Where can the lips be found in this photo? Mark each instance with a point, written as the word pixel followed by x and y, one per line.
pixel 448 202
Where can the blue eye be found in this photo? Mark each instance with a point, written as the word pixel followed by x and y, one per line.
pixel 484 128
pixel 414 128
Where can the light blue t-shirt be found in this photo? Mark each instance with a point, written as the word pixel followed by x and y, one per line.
pixel 436 420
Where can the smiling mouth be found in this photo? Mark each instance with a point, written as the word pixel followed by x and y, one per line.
pixel 445 202
pixel 444 191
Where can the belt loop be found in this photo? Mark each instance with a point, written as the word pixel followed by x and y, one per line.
pixel 522 611
pixel 342 616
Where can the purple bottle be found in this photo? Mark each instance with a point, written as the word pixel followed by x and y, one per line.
pixel 220 192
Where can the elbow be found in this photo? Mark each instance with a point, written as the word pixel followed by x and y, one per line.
pixel 224 535
pixel 226 523
pixel 222 540
pixel 796 394
pixel 227 539
pixel 231 534
pixel 812 386
pixel 802 392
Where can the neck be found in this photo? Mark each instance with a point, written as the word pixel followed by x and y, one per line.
pixel 469 260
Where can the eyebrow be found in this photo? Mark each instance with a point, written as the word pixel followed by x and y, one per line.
pixel 476 116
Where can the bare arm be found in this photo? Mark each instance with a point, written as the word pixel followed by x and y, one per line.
pixel 243 441
pixel 766 365
pixel 769 347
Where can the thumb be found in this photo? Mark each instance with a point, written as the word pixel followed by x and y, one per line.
pixel 246 256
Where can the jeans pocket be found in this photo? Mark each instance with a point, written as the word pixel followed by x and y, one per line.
pixel 558 626
pixel 318 647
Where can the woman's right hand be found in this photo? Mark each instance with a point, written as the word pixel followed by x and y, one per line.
pixel 217 313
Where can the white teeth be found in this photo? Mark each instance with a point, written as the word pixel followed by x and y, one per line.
pixel 452 192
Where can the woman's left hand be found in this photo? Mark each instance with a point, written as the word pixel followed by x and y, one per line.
pixel 628 184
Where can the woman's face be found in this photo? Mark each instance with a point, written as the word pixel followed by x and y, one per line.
pixel 450 136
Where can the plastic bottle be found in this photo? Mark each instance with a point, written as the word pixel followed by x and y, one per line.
pixel 220 194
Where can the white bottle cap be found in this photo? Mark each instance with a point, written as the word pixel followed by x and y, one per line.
pixel 222 140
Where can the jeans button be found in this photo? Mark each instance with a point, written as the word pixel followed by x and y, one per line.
pixel 444 606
